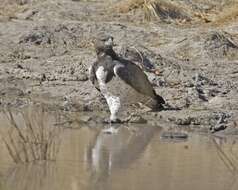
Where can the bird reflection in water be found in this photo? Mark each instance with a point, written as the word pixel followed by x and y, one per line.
pixel 110 152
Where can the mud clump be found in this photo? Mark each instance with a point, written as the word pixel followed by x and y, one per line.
pixel 220 44
pixel 38 36
pixel 57 40
pixel 60 34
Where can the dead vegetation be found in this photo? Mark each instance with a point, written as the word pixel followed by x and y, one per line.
pixel 17 2
pixel 154 9
pixel 30 138
pixel 218 12
pixel 220 44
pixel 163 10
pixel 129 5
pixel 227 15
pixel 9 8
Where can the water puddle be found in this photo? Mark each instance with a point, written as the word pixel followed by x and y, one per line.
pixel 133 158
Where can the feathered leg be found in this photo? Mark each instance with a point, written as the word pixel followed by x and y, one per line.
pixel 113 102
pixel 114 105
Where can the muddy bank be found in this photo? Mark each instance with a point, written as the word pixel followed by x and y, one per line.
pixel 45 54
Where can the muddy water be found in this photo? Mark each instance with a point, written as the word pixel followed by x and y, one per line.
pixel 133 158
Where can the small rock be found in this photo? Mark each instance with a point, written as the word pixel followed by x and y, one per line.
pixel 218 128
pixel 173 135
pixel 19 66
pixel 27 14
pixel 221 123
pixel 42 77
pixel 183 121
pixel 136 119
pixel 82 77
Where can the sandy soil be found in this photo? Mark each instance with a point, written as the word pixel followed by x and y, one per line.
pixel 45 54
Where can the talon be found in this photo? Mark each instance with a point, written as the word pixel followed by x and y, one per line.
pixel 115 121
pixel 112 121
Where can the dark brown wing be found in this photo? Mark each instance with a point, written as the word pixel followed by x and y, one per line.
pixel 92 75
pixel 135 77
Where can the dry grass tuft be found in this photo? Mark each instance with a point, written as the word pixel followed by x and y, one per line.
pixel 154 9
pixel 128 5
pixel 34 140
pixel 227 15
pixel 183 11
pixel 163 10
pixel 9 8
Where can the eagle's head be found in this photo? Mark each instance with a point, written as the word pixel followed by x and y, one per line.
pixel 103 44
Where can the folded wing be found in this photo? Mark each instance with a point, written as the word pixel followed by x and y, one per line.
pixel 132 75
pixel 92 76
